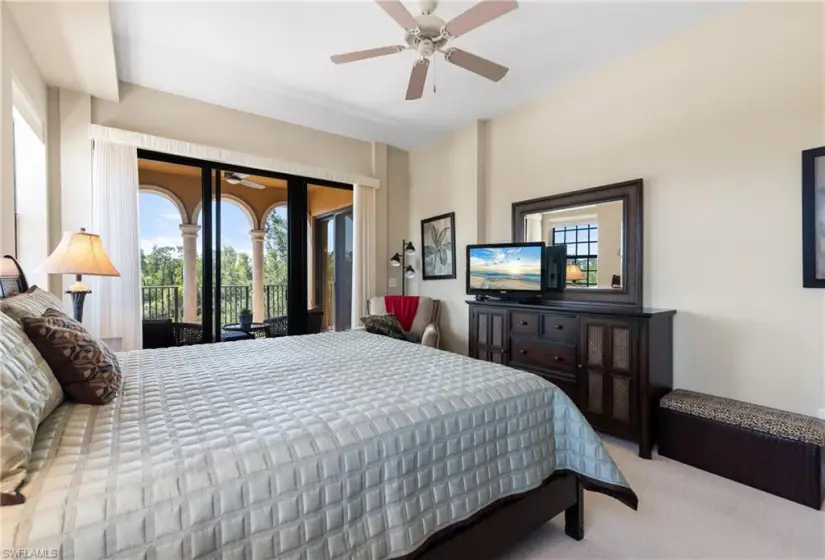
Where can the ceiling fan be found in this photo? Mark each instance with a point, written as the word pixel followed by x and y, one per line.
pixel 429 34
pixel 241 179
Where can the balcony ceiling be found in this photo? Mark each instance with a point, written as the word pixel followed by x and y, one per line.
pixel 272 58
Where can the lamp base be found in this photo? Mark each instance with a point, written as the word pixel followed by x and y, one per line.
pixel 77 303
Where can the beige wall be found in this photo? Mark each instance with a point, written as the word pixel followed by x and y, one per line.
pixel 397 209
pixel 16 65
pixel 171 116
pixel 714 121
pixel 444 178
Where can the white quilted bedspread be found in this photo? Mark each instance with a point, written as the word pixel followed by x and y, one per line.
pixel 340 445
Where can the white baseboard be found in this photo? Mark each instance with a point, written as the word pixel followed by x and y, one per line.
pixel 821 413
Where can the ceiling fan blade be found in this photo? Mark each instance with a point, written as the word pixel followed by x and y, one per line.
pixel 362 55
pixel 418 77
pixel 399 13
pixel 251 184
pixel 481 66
pixel 483 12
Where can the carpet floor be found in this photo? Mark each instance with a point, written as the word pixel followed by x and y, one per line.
pixel 683 513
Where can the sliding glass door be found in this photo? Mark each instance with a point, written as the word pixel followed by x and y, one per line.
pixel 240 254
pixel 333 263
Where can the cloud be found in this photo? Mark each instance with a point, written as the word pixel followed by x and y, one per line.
pixel 148 243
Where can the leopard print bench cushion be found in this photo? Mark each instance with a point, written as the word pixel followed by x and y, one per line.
pixel 771 421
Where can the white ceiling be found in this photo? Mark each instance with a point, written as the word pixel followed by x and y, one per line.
pixel 71 43
pixel 272 58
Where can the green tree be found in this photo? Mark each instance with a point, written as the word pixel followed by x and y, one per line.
pixel 276 250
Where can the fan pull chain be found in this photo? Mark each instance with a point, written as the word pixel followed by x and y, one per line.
pixel 434 58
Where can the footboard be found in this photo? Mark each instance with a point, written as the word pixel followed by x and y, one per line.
pixel 504 523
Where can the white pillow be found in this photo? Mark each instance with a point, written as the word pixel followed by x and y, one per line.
pixel 31 303
pixel 29 392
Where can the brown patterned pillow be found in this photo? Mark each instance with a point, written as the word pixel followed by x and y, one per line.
pixel 387 325
pixel 79 327
pixel 86 368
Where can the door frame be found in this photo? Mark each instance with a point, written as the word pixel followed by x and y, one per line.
pixel 339 254
pixel 298 258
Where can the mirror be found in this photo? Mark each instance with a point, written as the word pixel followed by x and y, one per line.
pixel 592 237
pixel 601 231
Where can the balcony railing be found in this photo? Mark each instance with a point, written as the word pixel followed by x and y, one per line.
pixel 166 302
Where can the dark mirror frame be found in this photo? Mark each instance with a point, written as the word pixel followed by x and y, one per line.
pixel 630 193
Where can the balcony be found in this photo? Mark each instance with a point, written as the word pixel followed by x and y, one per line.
pixel 166 302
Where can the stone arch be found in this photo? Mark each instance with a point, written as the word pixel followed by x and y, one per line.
pixel 242 204
pixel 270 210
pixel 171 197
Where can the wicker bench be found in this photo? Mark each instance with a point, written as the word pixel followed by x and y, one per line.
pixel 772 450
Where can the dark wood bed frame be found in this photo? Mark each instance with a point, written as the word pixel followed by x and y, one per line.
pixel 487 533
pixel 501 525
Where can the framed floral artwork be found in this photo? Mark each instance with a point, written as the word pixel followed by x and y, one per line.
pixel 438 242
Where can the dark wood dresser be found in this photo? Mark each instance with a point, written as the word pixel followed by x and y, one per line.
pixel 614 362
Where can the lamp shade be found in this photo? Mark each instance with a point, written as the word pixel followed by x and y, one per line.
pixel 409 249
pixel 395 260
pixel 574 272
pixel 409 272
pixel 79 253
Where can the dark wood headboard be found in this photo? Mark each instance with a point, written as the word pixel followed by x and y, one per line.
pixel 12 278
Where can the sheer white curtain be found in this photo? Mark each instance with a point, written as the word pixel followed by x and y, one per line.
pixel 363 254
pixel 114 307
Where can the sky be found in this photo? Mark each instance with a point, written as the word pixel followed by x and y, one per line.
pixel 160 224
pixel 513 260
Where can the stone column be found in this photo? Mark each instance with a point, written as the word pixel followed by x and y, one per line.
pixel 189 232
pixel 258 307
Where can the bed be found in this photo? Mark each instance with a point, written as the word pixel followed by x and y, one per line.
pixel 334 445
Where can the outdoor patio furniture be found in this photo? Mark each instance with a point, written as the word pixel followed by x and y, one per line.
pixel 158 334
pixel 279 326
pixel 254 330
pixel 234 336
pixel 187 334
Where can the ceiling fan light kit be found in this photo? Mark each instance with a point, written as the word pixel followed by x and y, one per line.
pixel 428 34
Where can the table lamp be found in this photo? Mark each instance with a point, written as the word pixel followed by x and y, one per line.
pixel 79 253
pixel 574 272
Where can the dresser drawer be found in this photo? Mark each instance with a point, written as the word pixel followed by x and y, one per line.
pixel 524 322
pixel 564 327
pixel 532 352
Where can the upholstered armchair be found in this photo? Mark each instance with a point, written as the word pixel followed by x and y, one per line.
pixel 424 328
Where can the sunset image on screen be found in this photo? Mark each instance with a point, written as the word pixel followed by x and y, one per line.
pixel 510 268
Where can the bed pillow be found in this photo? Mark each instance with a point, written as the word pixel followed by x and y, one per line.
pixel 31 303
pixel 87 370
pixel 28 394
pixel 76 325
pixel 386 325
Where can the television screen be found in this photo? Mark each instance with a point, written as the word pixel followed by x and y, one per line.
pixel 507 267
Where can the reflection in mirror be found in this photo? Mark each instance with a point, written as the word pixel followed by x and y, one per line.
pixel 592 236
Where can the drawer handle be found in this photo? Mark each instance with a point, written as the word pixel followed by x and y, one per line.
pixel 523 323
pixel 558 327
pixel 522 351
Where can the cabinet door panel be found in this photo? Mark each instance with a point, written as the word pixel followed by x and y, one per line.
pixel 621 350
pixel 595 344
pixel 488 335
pixel 609 359
pixel 595 392
pixel 621 398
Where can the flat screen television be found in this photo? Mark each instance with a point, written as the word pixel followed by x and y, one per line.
pixel 506 269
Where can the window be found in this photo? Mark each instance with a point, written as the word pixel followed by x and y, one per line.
pixel 30 194
pixel 582 242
